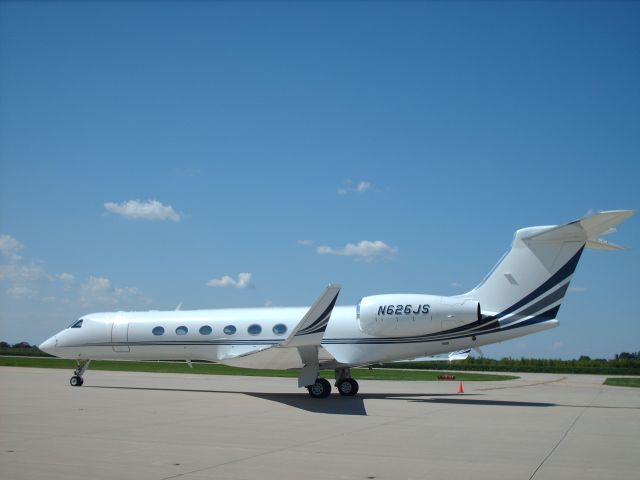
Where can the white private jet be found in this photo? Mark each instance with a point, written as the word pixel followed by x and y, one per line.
pixel 520 296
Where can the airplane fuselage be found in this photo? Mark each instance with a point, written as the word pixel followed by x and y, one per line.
pixel 224 335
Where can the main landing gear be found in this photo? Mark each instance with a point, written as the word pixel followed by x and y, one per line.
pixel 320 389
pixel 76 380
pixel 347 386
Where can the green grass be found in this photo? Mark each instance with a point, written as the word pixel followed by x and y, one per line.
pixel 623 382
pixel 218 369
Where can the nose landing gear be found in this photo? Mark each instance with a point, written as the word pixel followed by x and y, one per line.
pixel 76 380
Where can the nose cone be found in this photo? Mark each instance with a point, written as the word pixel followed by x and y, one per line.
pixel 49 345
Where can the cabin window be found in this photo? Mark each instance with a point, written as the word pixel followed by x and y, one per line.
pixel 158 331
pixel 78 324
pixel 181 330
pixel 280 329
pixel 205 330
pixel 254 329
pixel 229 330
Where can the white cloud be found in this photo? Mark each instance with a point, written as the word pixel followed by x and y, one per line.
pixel 456 284
pixel 10 247
pixel 32 281
pixel 65 277
pixel 21 274
pixel 557 345
pixel 268 303
pixel 306 243
pixel 360 187
pixel 364 249
pixel 23 279
pixel 99 290
pixel 243 281
pixel 363 187
pixel 21 292
pixel 149 210
pixel 577 289
pixel 67 280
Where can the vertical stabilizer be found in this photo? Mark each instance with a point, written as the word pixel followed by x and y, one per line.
pixel 533 277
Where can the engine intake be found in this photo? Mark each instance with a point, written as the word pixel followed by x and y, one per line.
pixel 400 315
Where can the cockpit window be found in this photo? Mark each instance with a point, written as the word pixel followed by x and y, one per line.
pixel 78 324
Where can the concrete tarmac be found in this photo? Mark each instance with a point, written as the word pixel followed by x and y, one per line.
pixel 163 426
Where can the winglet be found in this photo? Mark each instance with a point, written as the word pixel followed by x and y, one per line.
pixel 311 328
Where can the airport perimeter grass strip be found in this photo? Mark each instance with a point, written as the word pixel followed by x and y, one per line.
pixel 218 369
pixel 623 382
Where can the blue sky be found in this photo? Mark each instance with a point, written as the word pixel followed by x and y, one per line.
pixel 421 133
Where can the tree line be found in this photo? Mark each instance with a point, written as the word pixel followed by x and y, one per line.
pixel 624 363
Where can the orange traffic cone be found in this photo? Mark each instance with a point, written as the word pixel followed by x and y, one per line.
pixel 460 389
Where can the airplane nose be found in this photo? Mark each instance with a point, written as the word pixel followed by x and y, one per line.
pixel 49 345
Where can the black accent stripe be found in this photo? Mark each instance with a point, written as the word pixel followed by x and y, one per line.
pixel 541 304
pixel 491 323
pixel 181 343
pixel 564 272
pixel 542 317
pixel 320 324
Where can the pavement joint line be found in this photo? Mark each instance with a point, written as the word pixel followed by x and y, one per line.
pixel 555 380
pixel 565 435
pixel 303 444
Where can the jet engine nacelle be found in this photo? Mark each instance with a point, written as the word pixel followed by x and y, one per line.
pixel 400 315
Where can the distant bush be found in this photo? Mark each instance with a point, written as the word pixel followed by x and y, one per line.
pixel 617 366
pixel 22 349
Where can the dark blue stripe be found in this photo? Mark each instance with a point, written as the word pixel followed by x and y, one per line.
pixel 540 305
pixel 543 317
pixel 174 343
pixel 562 274
pixel 315 327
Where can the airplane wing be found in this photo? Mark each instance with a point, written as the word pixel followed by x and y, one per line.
pixel 301 347
pixel 459 355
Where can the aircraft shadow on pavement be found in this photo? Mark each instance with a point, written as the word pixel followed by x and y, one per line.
pixel 338 405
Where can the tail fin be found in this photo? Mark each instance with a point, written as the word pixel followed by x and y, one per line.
pixel 533 277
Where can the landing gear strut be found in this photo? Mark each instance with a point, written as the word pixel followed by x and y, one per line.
pixel 76 380
pixel 347 386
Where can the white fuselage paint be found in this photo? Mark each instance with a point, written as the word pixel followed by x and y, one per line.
pixel 128 336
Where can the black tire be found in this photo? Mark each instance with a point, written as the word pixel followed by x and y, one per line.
pixel 320 389
pixel 348 387
pixel 76 381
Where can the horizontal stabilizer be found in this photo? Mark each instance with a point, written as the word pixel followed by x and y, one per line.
pixel 600 244
pixel 584 229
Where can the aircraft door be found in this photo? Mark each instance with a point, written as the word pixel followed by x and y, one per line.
pixel 120 335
